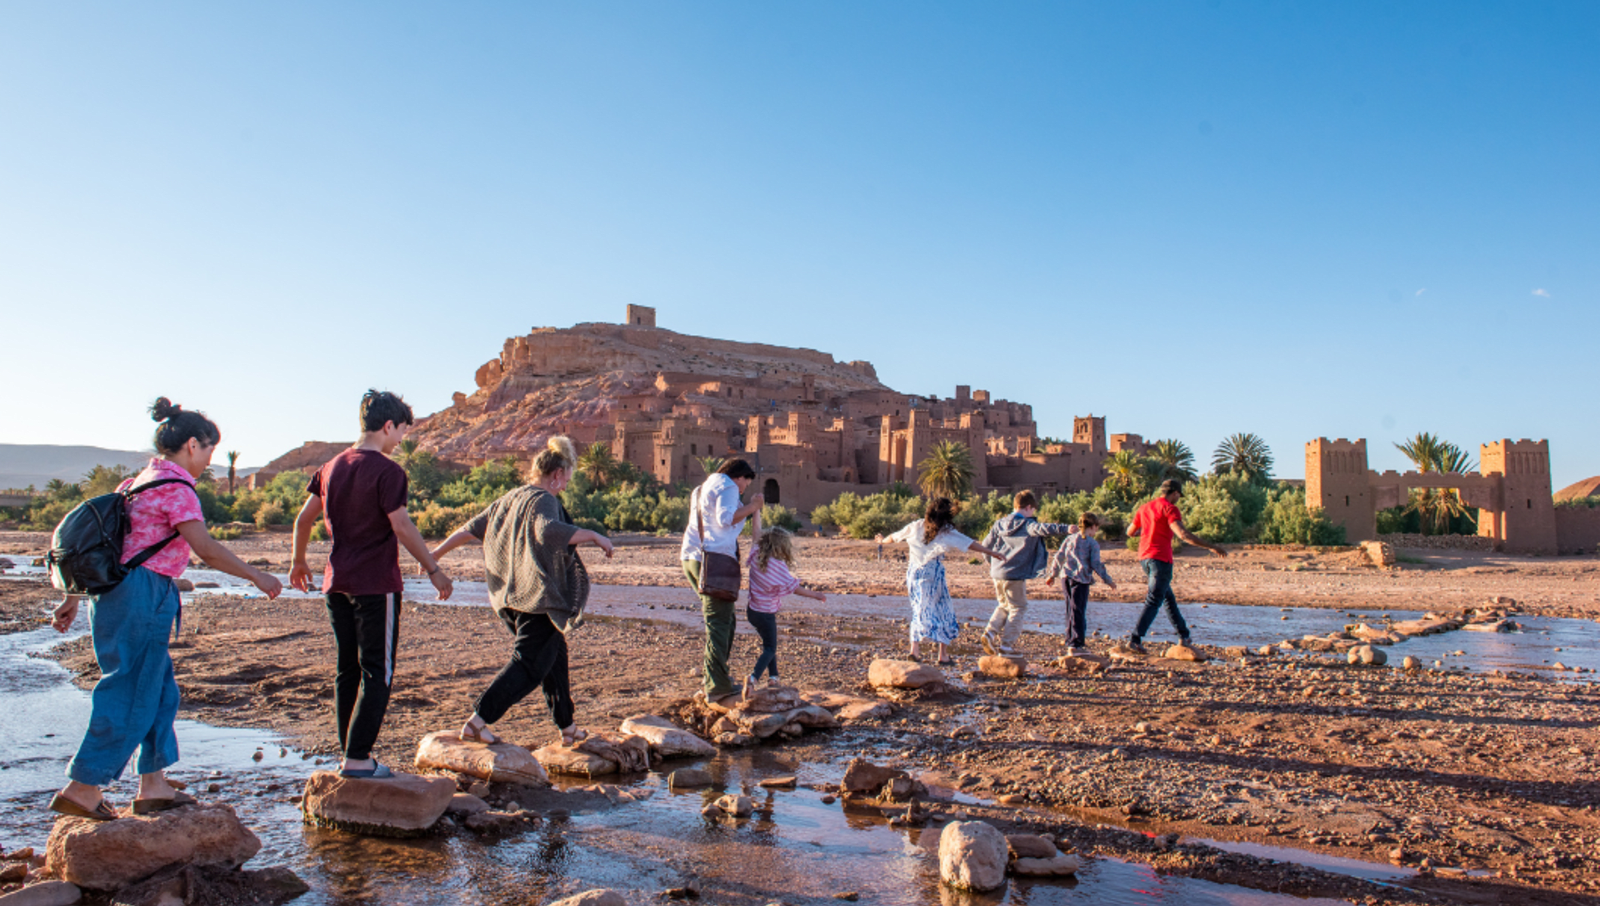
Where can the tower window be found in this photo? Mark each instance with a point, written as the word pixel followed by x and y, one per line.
pixel 1347 500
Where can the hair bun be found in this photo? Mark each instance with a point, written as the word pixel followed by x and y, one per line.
pixel 163 409
pixel 562 446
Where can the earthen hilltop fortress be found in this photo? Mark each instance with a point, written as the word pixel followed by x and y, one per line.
pixel 812 427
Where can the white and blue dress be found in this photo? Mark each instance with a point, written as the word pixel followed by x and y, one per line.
pixel 933 618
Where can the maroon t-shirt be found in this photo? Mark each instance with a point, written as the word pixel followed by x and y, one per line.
pixel 359 489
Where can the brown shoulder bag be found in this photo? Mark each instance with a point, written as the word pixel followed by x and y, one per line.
pixel 720 576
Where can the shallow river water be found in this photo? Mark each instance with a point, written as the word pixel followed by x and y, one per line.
pixel 795 849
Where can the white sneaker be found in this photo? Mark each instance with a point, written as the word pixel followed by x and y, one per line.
pixel 991 645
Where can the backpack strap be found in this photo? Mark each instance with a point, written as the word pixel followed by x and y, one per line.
pixel 140 558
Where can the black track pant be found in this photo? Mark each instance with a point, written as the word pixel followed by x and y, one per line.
pixel 538 658
pixel 366 630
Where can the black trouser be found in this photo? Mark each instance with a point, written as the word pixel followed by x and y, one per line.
pixel 366 631
pixel 1158 595
pixel 1077 596
pixel 538 658
pixel 766 626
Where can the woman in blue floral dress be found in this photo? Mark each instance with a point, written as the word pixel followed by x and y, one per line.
pixel 930 538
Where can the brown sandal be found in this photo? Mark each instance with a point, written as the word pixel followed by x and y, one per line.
pixel 479 734
pixel 65 806
pixel 162 803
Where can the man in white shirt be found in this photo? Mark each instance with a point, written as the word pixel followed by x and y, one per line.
pixel 721 518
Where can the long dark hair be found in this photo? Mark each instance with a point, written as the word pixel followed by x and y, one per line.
pixel 179 425
pixel 940 516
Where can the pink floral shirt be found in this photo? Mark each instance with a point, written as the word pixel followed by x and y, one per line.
pixel 156 513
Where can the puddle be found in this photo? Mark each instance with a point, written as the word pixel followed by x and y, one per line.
pixel 794 849
pixel 1339 865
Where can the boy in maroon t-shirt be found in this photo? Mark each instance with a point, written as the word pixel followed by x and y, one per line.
pixel 361 493
pixel 1154 525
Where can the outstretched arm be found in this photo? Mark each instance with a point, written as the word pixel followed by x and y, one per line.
pixel 216 556
pixel 977 548
pixel 411 539
pixel 585 536
pixel 1191 538
pixel 462 536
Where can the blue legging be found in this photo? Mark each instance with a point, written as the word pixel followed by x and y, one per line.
pixel 135 703
pixel 766 626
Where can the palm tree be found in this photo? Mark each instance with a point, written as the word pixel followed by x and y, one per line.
pixel 710 464
pixel 1125 469
pixel 1176 460
pixel 1243 454
pixel 233 460
pixel 597 464
pixel 947 471
pixel 1435 507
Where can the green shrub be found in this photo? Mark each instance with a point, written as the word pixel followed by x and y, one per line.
pixel 1580 502
pixel 227 533
pixel 777 516
pixel 271 513
pixel 1288 521
pixel 1391 521
pixel 1210 510
pixel 435 521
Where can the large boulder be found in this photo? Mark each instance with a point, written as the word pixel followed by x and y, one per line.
pixel 885 673
pixel 109 855
pixel 668 739
pixel 1003 666
pixel 972 856
pixel 498 763
pixel 404 805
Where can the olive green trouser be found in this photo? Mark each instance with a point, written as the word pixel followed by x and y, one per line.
pixel 721 619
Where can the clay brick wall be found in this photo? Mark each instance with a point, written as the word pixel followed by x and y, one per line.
pixel 1577 529
pixel 1336 481
pixel 1527 523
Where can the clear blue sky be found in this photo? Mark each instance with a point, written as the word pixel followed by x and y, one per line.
pixel 1195 218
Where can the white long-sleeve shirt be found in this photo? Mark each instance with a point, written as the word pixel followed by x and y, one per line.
pixel 717 500
pixel 948 541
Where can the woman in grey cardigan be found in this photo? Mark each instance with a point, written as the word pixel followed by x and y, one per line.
pixel 537 585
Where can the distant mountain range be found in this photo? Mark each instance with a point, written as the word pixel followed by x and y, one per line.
pixel 22 465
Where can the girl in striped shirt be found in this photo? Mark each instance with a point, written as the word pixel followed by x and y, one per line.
pixel 770 580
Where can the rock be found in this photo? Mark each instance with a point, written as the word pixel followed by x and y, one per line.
pixel 1494 626
pixel 1368 655
pixel 689 778
pixel 865 709
pixel 404 805
pixel 628 752
pixel 492 822
pixel 18 855
pixel 786 782
pixel 466 804
pixel 499 763
pixel 1184 653
pixel 1030 846
pixel 1121 652
pixel 1265 651
pixel 885 673
pixel 183 584
pixel 972 856
pixel 13 873
pixel 600 896
pixel 770 699
pixel 666 738
pixel 110 855
pixel 196 884
pixel 1003 666
pixel 1086 664
pixel 1058 865
pixel 733 740
pixel 1410 663
pixel 562 759
pixel 1378 553
pixel 279 883
pixel 207 585
pixel 1237 652
pixel 866 777
pixel 736 806
pixel 1428 625
pixel 48 893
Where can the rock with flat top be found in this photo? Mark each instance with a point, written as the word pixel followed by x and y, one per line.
pixel 730 805
pixel 49 893
pixel 866 777
pixel 563 759
pixel 768 699
pixel 864 709
pixel 466 804
pixel 1003 666
pixel 1368 656
pixel 404 805
pixel 1184 653
pixel 972 856
pixel 668 739
pixel 885 673
pixel 498 763
pixel 1056 866
pixel 110 855
pixel 597 897
pixel 197 884
pixel 689 778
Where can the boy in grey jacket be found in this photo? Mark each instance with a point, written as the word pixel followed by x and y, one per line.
pixel 1020 538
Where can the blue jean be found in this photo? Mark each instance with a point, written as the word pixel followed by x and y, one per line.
pixel 135 703
pixel 1158 595
pixel 766 626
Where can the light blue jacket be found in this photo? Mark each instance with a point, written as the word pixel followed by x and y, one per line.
pixel 1079 559
pixel 1020 539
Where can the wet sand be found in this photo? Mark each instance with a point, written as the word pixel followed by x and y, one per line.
pixel 1491 774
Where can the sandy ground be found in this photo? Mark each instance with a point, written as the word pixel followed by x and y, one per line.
pixel 1446 771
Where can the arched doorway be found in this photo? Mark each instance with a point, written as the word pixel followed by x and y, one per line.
pixel 769 490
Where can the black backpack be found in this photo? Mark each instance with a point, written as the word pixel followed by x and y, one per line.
pixel 86 553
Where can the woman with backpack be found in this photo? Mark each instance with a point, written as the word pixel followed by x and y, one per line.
pixel 135 703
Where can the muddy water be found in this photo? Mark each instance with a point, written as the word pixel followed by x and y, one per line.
pixel 1533 649
pixel 795 849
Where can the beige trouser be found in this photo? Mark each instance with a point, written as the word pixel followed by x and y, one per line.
pixel 1006 621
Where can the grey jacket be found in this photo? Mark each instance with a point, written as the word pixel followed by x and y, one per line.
pixel 1079 560
pixel 1021 540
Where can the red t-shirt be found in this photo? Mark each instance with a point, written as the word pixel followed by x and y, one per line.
pixel 1154 522
pixel 359 489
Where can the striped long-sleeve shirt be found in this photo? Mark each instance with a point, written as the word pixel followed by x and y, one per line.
pixel 769 584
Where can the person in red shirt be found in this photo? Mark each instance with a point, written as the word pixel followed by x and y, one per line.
pixel 1154 525
pixel 361 496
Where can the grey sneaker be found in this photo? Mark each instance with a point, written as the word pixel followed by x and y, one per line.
pixel 1137 648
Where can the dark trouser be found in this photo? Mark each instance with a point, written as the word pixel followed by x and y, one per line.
pixel 1077 595
pixel 366 630
pixel 538 658
pixel 766 626
pixel 1159 595
pixel 720 620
